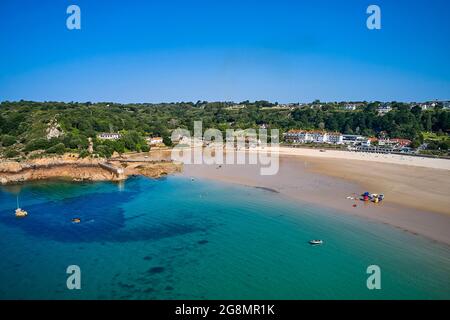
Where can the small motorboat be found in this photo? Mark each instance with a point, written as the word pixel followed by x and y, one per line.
pixel 76 220
pixel 315 242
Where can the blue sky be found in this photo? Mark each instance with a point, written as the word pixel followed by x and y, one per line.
pixel 285 51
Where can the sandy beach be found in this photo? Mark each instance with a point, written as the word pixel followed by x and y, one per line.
pixel 432 163
pixel 416 189
pixel 417 196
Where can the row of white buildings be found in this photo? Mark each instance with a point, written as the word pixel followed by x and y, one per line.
pixel 317 136
pixel 313 136
pixel 386 107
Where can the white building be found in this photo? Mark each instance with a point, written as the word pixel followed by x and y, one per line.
pixel 365 142
pixel 236 107
pixel 350 107
pixel 334 138
pixel 427 106
pixel 316 136
pixel 295 136
pixel 303 136
pixel 154 140
pixel 383 109
pixel 353 139
pixel 394 143
pixel 109 136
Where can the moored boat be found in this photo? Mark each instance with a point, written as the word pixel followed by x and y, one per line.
pixel 19 212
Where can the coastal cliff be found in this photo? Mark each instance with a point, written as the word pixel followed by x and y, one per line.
pixel 77 169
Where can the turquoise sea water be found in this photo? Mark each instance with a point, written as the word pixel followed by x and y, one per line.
pixel 180 239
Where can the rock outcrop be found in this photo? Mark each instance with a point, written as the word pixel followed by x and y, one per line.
pixel 75 169
pixel 54 130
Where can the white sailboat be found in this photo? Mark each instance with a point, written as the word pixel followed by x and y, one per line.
pixel 19 212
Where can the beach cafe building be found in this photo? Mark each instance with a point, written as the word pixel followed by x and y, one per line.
pixel 353 139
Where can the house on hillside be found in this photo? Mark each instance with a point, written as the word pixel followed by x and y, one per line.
pixel 350 107
pixel 446 105
pixel 383 109
pixel 153 141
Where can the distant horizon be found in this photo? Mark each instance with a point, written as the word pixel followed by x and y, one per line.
pixel 226 101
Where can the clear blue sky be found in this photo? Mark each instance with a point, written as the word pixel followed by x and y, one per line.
pixel 189 50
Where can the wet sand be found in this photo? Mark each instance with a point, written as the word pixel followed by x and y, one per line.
pixel 417 196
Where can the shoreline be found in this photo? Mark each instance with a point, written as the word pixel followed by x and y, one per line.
pixel 427 235
pixel 79 170
pixel 322 182
pixel 417 197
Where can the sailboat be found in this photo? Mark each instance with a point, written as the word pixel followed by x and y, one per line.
pixel 19 212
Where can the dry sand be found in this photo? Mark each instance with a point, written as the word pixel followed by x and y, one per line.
pixel 417 190
pixel 433 163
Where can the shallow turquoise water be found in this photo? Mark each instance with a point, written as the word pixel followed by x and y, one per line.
pixel 180 239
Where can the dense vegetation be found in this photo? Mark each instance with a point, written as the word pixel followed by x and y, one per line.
pixel 23 124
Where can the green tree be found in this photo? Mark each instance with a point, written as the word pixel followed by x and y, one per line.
pixel 8 140
pixel 59 148
pixel 429 124
pixel 10 153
